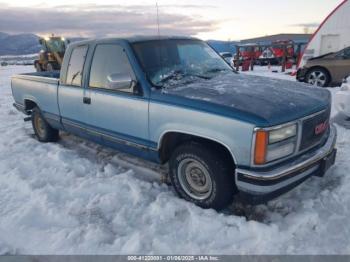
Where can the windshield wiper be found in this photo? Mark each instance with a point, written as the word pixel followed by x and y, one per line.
pixel 179 75
pixel 173 75
pixel 199 76
pixel 74 76
pixel 216 70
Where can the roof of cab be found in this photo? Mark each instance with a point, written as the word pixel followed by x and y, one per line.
pixel 132 39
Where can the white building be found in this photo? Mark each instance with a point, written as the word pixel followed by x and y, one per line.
pixel 332 35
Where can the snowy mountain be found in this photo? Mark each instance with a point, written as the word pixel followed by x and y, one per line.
pixel 20 44
pixel 3 35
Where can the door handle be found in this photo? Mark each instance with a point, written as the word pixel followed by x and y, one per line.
pixel 87 100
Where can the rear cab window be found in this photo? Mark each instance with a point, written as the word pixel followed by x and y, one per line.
pixel 76 66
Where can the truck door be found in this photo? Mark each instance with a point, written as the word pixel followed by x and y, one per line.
pixel 71 91
pixel 120 116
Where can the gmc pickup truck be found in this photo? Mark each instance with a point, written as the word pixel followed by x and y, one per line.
pixel 175 101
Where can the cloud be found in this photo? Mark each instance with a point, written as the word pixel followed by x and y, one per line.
pixel 102 20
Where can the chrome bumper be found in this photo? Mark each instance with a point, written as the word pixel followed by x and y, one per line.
pixel 275 180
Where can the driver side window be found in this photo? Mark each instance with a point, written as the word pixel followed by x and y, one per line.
pixel 108 60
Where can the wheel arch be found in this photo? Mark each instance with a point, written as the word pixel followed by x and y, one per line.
pixel 29 104
pixel 170 139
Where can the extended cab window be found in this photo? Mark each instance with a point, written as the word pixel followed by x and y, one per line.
pixel 108 60
pixel 76 65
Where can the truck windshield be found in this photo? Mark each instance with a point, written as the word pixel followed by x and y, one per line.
pixel 55 45
pixel 175 61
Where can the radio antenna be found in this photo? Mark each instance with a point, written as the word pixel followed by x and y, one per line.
pixel 158 20
pixel 160 46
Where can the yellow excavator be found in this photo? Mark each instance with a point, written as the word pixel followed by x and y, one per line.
pixel 51 55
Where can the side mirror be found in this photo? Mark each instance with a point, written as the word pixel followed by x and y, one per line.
pixel 68 41
pixel 40 41
pixel 120 81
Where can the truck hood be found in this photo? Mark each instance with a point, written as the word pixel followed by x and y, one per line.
pixel 260 100
pixel 328 55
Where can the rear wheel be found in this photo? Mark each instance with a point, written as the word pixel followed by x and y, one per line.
pixel 43 131
pixel 202 176
pixel 318 77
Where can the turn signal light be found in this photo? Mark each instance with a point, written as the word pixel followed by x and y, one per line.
pixel 260 147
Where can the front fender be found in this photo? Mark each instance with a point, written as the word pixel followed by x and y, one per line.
pixel 235 135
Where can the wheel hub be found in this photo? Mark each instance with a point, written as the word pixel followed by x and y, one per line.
pixel 197 177
pixel 317 78
pixel 40 127
pixel 194 179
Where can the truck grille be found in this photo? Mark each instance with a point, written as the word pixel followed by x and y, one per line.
pixel 314 129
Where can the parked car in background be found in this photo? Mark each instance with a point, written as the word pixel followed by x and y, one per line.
pixel 326 70
pixel 175 101
pixel 342 98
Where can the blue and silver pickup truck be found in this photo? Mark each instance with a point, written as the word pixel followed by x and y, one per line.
pixel 175 101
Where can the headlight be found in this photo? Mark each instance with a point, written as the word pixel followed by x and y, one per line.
pixel 277 151
pixel 274 144
pixel 282 133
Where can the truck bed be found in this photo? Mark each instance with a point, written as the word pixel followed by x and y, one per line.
pixel 40 76
pixel 38 87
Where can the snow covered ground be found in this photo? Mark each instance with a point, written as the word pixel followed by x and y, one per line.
pixel 19 59
pixel 273 72
pixel 76 197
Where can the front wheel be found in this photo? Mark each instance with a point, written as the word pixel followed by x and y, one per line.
pixel 318 77
pixel 49 67
pixel 38 67
pixel 43 131
pixel 202 176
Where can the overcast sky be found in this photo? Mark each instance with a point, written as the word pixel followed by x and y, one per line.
pixel 218 19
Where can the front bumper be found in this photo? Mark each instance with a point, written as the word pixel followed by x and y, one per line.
pixel 258 186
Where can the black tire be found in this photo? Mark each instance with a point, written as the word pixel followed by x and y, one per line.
pixel 43 131
pixel 318 71
pixel 50 67
pixel 220 171
pixel 38 67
